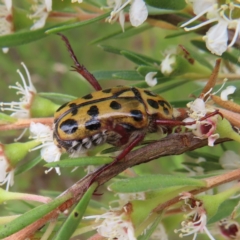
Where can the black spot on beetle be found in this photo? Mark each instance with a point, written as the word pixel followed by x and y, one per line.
pixel 165 105
pixel 137 115
pixel 72 105
pixel 93 111
pixel 74 111
pixel 69 126
pixel 152 103
pixel 64 105
pixel 76 214
pixel 92 124
pixel 115 105
pixel 108 90
pixel 166 111
pixel 89 96
pixel 149 93
pixel 168 104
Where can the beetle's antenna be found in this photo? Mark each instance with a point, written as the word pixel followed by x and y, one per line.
pixel 79 67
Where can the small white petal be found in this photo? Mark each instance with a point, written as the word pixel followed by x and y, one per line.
pixel 41 132
pixel 50 153
pixel 138 12
pixel 230 160
pixel 212 138
pixel 79 1
pixel 41 22
pixel 5 50
pixel 217 38
pixel 3 168
pixel 229 90
pixel 188 120
pixel 167 63
pixel 6 175
pixel 197 108
pixel 8 4
pixel 150 80
pixel 201 6
pixel 122 19
pixel 48 4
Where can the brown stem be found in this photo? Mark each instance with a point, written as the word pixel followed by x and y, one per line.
pixel 210 182
pixel 25 123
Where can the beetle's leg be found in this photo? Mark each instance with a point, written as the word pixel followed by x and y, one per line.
pixel 125 151
pixel 173 123
pixel 79 67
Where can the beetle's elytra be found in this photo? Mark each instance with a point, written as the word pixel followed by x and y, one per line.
pixel 116 116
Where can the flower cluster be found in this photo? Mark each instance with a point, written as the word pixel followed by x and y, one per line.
pixel 137 13
pixel 206 128
pixel 6 25
pixel 115 224
pixel 196 219
pixel 6 170
pixel 21 109
pixel 217 36
pixel 40 9
pixel 229 228
pixel 49 151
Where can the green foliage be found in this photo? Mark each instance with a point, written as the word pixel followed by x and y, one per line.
pixel 153 182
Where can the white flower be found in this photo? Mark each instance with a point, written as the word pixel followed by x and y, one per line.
pixel 229 228
pixel 49 151
pixel 125 198
pixel 197 108
pixel 202 128
pixel 202 6
pixel 6 171
pixel 21 109
pixel 115 225
pixel 6 24
pixel 217 38
pixel 196 220
pixel 167 64
pixel 41 10
pixel 229 90
pixel 150 80
pixel 137 14
pixel 230 160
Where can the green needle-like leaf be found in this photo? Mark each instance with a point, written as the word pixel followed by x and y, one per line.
pixel 153 182
pixel 167 4
pixel 76 24
pixel 73 220
pixel 27 166
pixel 80 162
pixel 29 217
pixel 57 96
pixel 128 75
pixel 4 119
